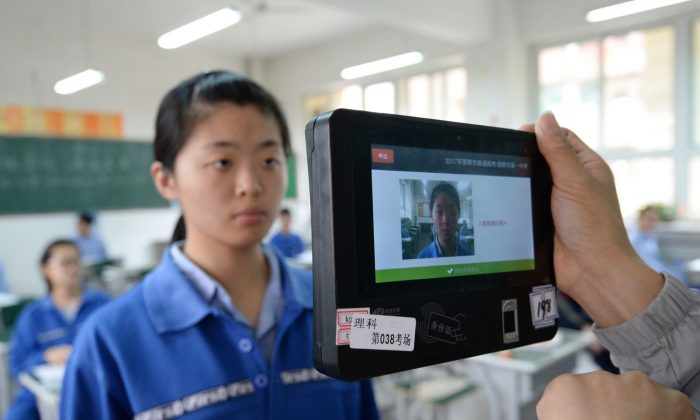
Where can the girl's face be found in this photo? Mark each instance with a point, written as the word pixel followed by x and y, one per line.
pixel 63 268
pixel 229 177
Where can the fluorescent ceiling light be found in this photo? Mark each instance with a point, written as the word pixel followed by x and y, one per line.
pixel 80 81
pixel 379 66
pixel 628 8
pixel 199 28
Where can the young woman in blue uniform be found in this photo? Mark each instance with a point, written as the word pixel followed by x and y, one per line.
pixel 223 327
pixel 45 329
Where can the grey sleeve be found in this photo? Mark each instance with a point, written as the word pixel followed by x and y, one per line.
pixel 663 341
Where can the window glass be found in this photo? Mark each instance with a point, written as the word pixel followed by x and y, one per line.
pixel 438 95
pixel 694 188
pixel 696 82
pixel 456 92
pixel 643 181
pixel 569 87
pixel 418 101
pixel 638 90
pixel 316 104
pixel 351 97
pixel 380 97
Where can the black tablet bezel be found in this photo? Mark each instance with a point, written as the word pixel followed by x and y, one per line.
pixel 339 152
pixel 356 133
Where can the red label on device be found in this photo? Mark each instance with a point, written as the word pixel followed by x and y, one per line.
pixel 382 156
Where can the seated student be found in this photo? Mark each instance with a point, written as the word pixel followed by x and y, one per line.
pixel 288 243
pixel 92 249
pixel 223 328
pixel 646 244
pixel 44 331
pixel 444 210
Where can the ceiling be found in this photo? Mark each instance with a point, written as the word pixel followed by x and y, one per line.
pixel 46 40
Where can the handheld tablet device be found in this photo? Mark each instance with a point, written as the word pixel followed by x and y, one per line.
pixel 432 241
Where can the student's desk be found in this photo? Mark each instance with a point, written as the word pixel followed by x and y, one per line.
pixel 45 383
pixel 6 381
pixel 10 306
pixel 516 383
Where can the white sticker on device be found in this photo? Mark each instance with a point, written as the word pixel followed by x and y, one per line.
pixel 543 304
pixel 381 332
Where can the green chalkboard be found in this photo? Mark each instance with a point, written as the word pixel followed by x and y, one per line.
pixel 39 175
pixel 51 175
pixel 291 177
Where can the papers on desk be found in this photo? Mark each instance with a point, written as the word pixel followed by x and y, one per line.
pixel 303 260
pixel 50 376
pixel 306 257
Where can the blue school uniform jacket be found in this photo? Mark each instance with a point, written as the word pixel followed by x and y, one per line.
pixel 161 351
pixel 38 327
pixel 433 250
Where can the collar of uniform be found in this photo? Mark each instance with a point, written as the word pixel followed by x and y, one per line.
pixel 172 302
pixel 438 249
pixel 214 293
pixel 210 289
pixel 460 249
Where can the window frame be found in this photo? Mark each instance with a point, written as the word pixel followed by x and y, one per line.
pixel 400 81
pixel 685 147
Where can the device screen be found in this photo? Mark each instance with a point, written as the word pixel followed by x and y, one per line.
pixel 444 213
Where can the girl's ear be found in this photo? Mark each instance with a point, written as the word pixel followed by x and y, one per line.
pixel 164 180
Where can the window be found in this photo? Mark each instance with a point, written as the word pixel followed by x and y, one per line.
pixel 696 83
pixel 643 181
pixel 638 90
pixel 694 185
pixel 569 80
pixel 617 93
pixel 440 95
pixel 380 97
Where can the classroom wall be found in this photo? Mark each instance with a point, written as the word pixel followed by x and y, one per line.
pixel 499 93
pixel 500 69
pixel 127 233
pixel 492 65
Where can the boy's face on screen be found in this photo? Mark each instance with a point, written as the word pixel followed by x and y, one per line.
pixel 445 217
pixel 230 176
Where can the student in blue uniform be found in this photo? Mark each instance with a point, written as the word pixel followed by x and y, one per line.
pixel 45 329
pixel 444 210
pixel 223 327
pixel 286 241
pixel 92 249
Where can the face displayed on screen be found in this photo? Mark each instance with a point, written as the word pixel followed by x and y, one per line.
pixel 445 213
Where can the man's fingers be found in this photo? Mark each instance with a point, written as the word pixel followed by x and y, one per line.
pixel 558 150
pixel 527 127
